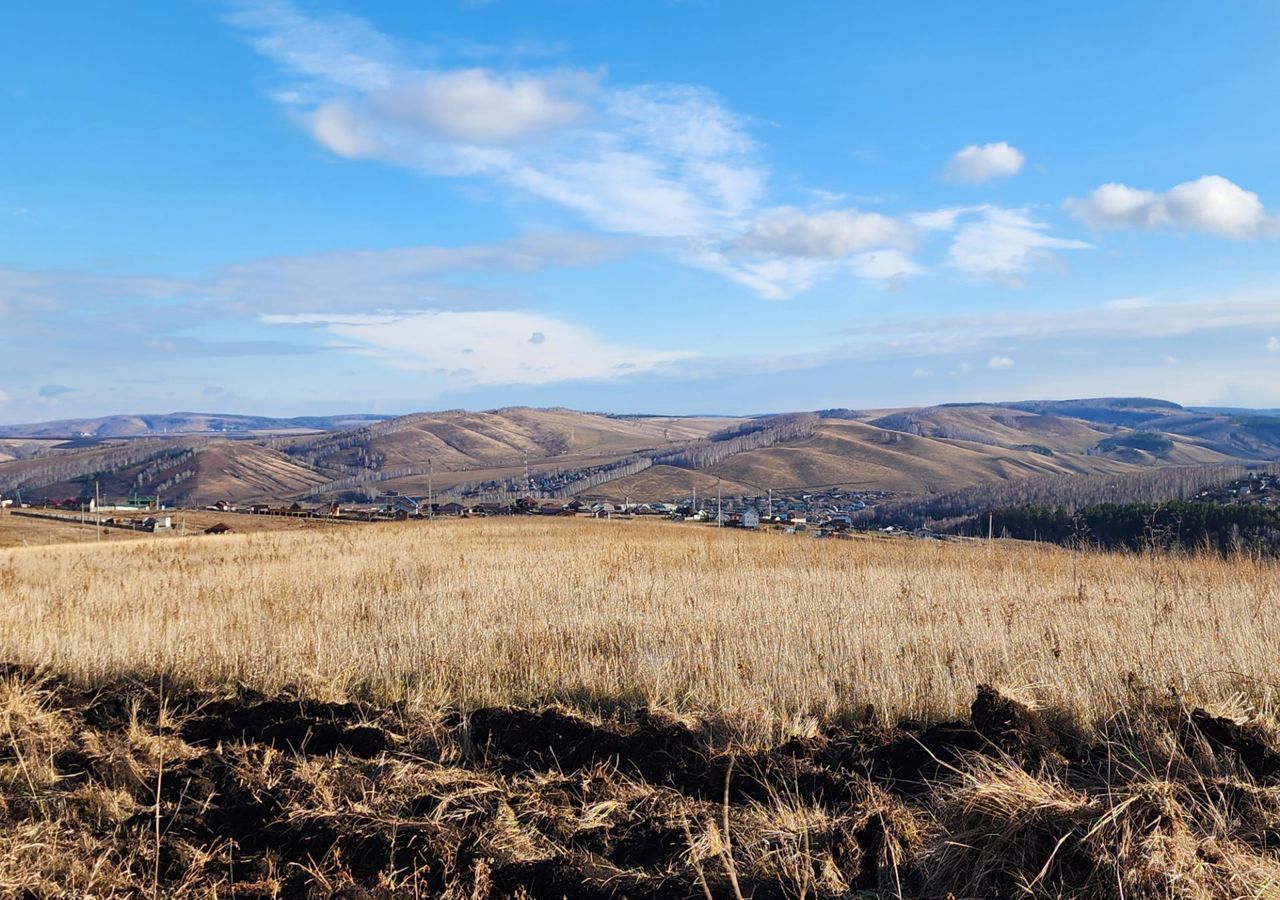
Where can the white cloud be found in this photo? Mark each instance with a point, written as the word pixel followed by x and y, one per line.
pixel 479 106
pixel 1273 344
pixel 652 160
pixel 490 347
pixel 337 128
pixel 976 164
pixel 1210 204
pixel 4 398
pixel 922 373
pixel 786 250
pixel 787 231
pixel 1000 362
pixel 1004 244
pixel 667 163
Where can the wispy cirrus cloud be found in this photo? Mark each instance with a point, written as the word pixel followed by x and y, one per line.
pixel 886 266
pixel 1125 321
pixel 167 317
pixel 342 49
pixel 397 278
pixel 998 341
pixel 1005 244
pixel 652 160
pixel 488 347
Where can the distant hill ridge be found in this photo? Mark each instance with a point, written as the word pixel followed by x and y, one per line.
pixel 923 451
pixel 182 423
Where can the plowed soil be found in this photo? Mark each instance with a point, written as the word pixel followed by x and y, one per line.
pixel 128 789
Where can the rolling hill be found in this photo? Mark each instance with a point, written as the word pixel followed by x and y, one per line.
pixel 910 452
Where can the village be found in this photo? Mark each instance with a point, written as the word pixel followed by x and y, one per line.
pixel 828 512
pixel 1258 489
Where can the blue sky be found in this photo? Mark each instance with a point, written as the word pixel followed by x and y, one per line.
pixel 295 208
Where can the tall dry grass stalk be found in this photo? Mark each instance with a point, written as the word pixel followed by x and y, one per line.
pixel 763 629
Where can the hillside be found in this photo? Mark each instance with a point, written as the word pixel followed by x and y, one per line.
pixel 457 446
pixel 195 471
pixel 458 453
pixel 927 451
pixel 459 439
pixel 1237 433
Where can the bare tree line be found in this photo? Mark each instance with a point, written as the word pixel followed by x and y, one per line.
pixel 755 435
pixel 1158 485
pixel 363 477
pixel 154 455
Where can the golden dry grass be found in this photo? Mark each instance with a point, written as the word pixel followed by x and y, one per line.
pixel 764 630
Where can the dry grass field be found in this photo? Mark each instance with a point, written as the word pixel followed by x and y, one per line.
pixel 761 629
pixel 501 709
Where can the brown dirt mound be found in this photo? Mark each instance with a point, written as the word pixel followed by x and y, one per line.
pixel 119 791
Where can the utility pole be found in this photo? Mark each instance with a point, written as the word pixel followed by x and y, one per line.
pixel 719 513
pixel 990 526
pixel 431 507
pixel 770 504
pixel 97 506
